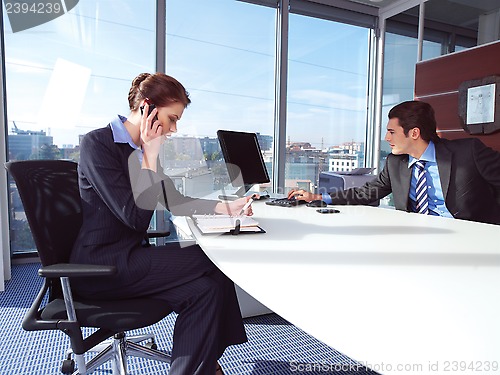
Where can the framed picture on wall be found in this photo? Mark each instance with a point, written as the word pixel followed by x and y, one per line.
pixel 478 107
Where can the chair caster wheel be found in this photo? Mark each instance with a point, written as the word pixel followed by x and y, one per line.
pixel 68 367
pixel 151 345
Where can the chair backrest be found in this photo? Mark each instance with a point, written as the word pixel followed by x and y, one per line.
pixel 49 192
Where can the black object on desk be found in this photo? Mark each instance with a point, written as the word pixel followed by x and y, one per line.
pixel 261 197
pixel 237 228
pixel 285 202
pixel 244 162
pixel 327 211
pixel 316 203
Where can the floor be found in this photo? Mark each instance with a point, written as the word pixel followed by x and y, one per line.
pixel 275 347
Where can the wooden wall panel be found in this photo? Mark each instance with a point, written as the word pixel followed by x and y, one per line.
pixel 446 120
pixel 437 82
pixel 447 72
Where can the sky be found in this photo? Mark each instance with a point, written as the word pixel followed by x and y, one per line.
pixel 72 74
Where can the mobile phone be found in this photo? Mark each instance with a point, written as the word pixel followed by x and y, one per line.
pixel 151 107
pixel 328 211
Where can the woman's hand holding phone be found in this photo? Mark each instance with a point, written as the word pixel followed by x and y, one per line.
pixel 151 135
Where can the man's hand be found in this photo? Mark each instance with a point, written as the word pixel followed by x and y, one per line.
pixel 303 195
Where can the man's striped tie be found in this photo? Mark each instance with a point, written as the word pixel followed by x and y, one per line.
pixel 422 200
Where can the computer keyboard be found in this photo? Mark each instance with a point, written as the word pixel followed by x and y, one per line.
pixel 285 202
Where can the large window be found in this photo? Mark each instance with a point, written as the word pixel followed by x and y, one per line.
pixel 327 99
pixel 69 76
pixel 72 74
pixel 223 52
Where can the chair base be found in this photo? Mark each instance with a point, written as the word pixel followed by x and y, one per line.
pixel 117 350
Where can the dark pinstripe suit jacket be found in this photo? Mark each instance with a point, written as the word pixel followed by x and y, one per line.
pixel 114 225
pixel 469 173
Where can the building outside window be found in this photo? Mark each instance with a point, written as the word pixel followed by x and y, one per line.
pixel 327 91
pixel 223 52
pixel 67 77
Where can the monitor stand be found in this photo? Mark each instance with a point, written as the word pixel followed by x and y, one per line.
pixel 241 192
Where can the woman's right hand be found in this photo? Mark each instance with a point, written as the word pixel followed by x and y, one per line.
pixel 234 208
pixel 151 132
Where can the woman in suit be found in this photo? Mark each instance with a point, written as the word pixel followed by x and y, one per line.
pixel 121 183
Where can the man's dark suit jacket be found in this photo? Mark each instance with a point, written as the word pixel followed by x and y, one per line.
pixel 118 201
pixel 469 173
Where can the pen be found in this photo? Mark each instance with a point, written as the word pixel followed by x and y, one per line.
pixel 246 205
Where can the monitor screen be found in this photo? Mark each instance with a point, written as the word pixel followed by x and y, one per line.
pixel 242 153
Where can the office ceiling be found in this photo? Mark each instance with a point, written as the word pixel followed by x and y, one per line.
pixel 376 3
pixel 463 13
pixel 484 5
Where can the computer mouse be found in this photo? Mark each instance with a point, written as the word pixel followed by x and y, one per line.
pixel 317 203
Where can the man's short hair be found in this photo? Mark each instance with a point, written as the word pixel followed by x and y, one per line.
pixel 416 114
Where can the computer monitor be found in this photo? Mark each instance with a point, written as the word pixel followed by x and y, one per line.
pixel 243 158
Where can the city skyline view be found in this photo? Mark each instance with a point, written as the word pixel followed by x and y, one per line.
pixel 65 90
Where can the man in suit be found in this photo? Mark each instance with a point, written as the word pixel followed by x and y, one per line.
pixel 462 176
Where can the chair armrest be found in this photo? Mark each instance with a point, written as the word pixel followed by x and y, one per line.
pixel 76 270
pixel 33 320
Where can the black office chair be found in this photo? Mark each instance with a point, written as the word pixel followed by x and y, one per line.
pixel 50 196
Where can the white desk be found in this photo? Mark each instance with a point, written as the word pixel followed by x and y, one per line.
pixel 398 292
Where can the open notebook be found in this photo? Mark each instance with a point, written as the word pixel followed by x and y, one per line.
pixel 226 223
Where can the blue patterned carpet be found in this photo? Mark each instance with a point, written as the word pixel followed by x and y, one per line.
pixel 275 347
